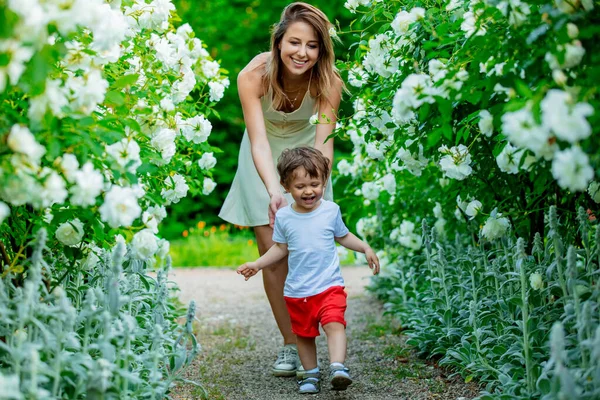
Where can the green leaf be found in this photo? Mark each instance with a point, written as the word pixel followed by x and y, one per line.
pixel 115 98
pixel 523 89
pixel 434 137
pixel 34 77
pixel 132 124
pixel 125 80
pixel 8 20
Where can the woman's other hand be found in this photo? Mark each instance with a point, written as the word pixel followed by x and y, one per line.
pixel 277 201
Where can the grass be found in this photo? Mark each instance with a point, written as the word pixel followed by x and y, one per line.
pixel 223 246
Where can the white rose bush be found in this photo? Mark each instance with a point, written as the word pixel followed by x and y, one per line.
pixel 485 115
pixel 105 121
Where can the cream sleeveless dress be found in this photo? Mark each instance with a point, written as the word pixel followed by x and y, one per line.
pixel 248 200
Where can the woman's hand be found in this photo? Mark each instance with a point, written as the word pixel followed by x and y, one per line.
pixel 277 201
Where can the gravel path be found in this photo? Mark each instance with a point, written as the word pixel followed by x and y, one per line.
pixel 240 339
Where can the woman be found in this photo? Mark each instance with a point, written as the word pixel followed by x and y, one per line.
pixel 279 91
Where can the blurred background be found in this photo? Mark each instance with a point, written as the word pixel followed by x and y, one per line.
pixel 234 31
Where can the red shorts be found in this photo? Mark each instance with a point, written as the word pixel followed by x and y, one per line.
pixel 325 307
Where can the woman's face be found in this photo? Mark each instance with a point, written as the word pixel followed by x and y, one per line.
pixel 299 48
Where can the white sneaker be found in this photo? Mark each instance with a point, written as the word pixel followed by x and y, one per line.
pixel 287 361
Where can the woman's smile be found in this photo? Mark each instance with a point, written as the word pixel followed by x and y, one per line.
pixel 299 48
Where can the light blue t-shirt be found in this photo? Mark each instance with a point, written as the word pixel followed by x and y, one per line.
pixel 314 265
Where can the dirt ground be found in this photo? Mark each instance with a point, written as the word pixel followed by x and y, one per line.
pixel 239 341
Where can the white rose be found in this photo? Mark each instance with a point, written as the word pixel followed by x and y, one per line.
pixel 52 191
pixel 92 258
pixel 473 208
pixel 566 118
pixel 389 183
pixel 88 186
pixel 210 69
pixel 345 168
pixel 357 77
pixel 509 159
pixel 208 186
pixel 144 245
pixel 402 22
pixel 167 104
pixel 572 170
pixel 196 129
pixel 207 161
pixel 164 142
pixel 70 233
pixel 453 5
pixel 370 190
pixel 126 153
pixel 314 119
pixel 456 162
pixel 486 123
pixel 69 165
pixel 495 227
pixel 217 89
pixel 120 207
pixel 4 211
pixel 163 248
pixel 21 140
pixel 175 190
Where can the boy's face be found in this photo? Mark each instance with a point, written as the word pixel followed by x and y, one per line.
pixel 306 190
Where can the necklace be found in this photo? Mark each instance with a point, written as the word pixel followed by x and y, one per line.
pixel 293 101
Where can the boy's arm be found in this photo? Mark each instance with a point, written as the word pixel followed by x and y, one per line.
pixel 351 242
pixel 274 254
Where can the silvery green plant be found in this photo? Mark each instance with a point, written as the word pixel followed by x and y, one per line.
pixel 110 347
pixel 504 318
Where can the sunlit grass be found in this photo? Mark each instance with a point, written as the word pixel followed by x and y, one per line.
pixel 224 246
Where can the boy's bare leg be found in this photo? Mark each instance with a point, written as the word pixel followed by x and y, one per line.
pixel 336 342
pixel 273 281
pixel 307 350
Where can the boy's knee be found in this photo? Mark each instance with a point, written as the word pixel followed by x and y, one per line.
pixel 333 327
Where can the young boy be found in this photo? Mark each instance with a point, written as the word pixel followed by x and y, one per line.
pixel 306 232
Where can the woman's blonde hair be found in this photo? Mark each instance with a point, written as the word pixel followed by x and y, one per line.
pixel 323 73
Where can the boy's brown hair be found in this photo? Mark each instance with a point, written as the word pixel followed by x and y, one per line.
pixel 311 159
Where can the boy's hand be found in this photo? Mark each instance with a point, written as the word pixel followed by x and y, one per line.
pixel 248 269
pixel 372 260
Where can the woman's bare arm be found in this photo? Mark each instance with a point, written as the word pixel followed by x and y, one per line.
pixel 250 88
pixel 328 109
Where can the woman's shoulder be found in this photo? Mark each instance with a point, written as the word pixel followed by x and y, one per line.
pixel 252 75
pixel 256 67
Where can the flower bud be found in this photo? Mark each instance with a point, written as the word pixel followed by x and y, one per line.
pixel 559 77
pixel 538 244
pixel 557 343
pixel 553 218
pixel 520 248
pixel 536 281
pixel 572 30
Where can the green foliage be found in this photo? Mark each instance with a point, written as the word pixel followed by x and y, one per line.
pixel 466 110
pixel 108 332
pixel 524 325
pixel 102 124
